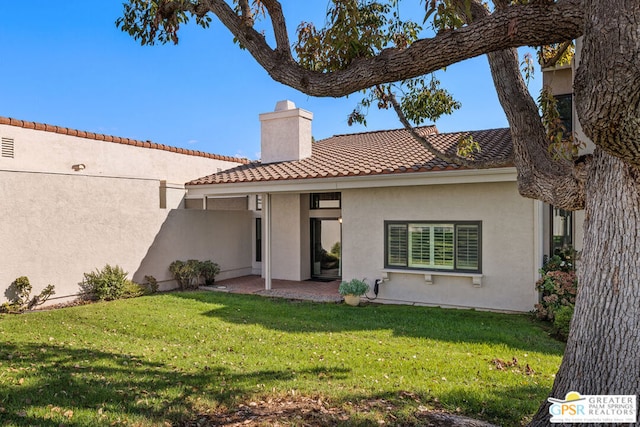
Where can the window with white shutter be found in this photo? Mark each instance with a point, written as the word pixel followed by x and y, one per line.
pixel 433 245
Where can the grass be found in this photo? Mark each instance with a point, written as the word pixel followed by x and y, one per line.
pixel 166 358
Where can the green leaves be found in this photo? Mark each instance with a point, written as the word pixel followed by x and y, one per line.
pixel 421 100
pixel 447 15
pixel 426 100
pixel 355 29
pixel 562 144
pixel 151 21
pixel 557 54
pixel 527 67
pixel 467 146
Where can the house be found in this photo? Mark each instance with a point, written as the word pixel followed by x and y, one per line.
pixel 373 205
pixel 427 232
pixel 73 201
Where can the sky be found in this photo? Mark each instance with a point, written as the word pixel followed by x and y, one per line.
pixel 65 63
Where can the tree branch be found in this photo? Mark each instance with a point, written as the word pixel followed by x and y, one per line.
pixel 556 181
pixel 245 12
pixel 541 176
pixel 278 23
pixel 555 58
pixel 513 26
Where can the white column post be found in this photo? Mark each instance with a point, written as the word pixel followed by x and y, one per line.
pixel 266 212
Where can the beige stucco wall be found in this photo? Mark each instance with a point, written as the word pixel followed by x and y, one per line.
pixel 41 151
pixel 508 243
pixel 57 227
pixel 559 80
pixel 124 208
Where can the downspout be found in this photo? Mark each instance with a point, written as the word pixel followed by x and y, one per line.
pixel 538 242
pixel 266 212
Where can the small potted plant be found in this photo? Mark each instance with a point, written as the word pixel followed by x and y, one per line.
pixel 353 290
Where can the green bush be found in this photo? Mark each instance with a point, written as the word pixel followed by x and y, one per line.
pixel 209 270
pixel 562 260
pixel 562 321
pixel 558 289
pixel 133 289
pixel 151 284
pixel 353 287
pixel 21 301
pixel 336 249
pixel 108 284
pixel 189 274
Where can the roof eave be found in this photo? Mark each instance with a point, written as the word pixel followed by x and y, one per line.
pixel 311 185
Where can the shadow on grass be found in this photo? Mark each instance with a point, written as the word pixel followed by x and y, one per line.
pixel 41 381
pixel 401 408
pixel 449 325
pixel 40 384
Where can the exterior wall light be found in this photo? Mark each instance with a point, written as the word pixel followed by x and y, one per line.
pixel 78 167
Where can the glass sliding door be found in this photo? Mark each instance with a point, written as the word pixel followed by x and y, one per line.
pixel 326 248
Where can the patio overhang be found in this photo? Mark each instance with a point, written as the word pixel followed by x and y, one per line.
pixel 327 184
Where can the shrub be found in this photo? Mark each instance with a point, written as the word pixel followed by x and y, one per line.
pixel 189 274
pixel 558 288
pixel 133 289
pixel 353 287
pixel 21 290
pixel 209 270
pixel 151 284
pixel 562 260
pixel 562 321
pixel 108 284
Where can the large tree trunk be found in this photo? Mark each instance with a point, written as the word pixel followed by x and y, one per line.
pixel 603 350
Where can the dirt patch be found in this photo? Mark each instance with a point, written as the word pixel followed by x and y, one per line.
pixel 311 412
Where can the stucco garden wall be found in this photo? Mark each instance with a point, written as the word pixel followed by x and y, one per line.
pixel 57 227
pixel 508 243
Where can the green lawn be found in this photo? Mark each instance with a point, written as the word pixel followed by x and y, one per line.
pixel 166 358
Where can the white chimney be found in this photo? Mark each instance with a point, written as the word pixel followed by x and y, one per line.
pixel 286 133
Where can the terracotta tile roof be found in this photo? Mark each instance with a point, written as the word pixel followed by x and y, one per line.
pixel 115 139
pixel 369 153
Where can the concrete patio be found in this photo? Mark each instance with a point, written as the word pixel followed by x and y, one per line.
pixel 308 290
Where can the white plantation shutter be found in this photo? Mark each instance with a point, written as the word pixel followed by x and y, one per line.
pixel 420 248
pixel 468 247
pixel 397 245
pixel 443 246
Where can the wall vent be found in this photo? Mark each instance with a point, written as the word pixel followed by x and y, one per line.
pixel 7 147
